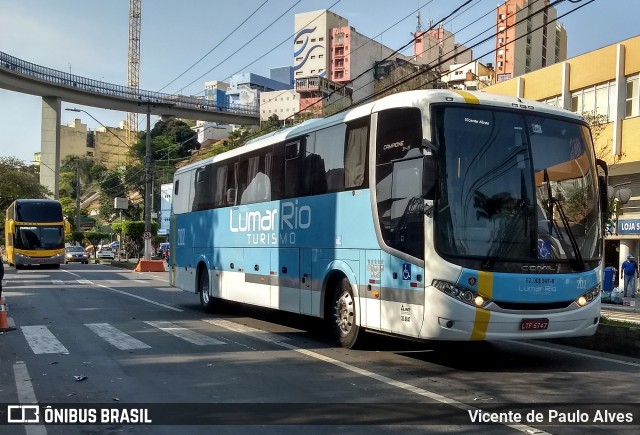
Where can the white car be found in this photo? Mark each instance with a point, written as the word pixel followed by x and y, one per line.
pixel 106 252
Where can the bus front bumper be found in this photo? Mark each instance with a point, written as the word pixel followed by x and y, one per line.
pixel 26 260
pixel 449 319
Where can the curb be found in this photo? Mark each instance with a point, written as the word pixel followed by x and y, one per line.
pixel 618 340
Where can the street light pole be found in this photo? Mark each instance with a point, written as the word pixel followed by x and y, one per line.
pixel 78 195
pixel 148 186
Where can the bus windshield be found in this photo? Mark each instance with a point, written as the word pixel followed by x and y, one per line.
pixel 515 187
pixel 40 237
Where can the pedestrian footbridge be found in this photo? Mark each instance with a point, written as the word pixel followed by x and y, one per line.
pixel 56 86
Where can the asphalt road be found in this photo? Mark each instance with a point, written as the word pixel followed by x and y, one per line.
pixel 96 335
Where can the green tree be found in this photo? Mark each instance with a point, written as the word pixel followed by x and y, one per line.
pixel 19 180
pixel 173 137
pixel 95 238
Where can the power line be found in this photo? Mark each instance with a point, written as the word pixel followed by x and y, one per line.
pixel 217 45
pixel 246 43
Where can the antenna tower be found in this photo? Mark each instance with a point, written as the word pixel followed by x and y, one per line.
pixel 133 76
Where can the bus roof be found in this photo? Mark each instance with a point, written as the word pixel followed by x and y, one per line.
pixel 418 98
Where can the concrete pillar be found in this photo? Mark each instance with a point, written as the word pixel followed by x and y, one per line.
pixel 520 87
pixel 566 85
pixel 620 107
pixel 50 145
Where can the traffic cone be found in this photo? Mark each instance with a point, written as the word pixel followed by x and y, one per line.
pixel 4 323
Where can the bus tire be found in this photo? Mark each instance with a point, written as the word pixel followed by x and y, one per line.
pixel 206 300
pixel 344 324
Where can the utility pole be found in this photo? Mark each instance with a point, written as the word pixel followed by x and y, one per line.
pixel 148 186
pixel 78 195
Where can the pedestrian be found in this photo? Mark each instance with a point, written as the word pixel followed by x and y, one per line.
pixel 629 271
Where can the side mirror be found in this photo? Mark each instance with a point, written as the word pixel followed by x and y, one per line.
pixel 429 177
pixel 604 190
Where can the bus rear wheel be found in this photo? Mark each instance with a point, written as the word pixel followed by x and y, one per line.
pixel 203 288
pixel 344 324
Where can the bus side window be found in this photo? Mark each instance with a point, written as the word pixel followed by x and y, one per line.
pixel 355 156
pixel 203 184
pixel 292 169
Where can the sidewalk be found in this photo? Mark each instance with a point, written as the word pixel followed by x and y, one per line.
pixel 628 311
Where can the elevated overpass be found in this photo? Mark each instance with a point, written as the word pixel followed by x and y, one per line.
pixel 55 86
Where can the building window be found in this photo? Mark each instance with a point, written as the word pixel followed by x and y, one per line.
pixel 298 73
pixel 576 101
pixel 632 97
pixel 299 41
pixel 298 59
pixel 313 39
pixel 313 57
pixel 313 71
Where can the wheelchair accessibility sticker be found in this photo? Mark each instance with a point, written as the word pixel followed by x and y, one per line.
pixel 406 271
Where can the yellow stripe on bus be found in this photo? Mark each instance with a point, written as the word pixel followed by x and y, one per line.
pixel 481 322
pixel 468 97
pixel 485 284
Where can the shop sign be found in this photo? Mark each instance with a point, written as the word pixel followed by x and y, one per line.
pixel 629 226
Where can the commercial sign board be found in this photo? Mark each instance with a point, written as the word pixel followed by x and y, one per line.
pixel 628 226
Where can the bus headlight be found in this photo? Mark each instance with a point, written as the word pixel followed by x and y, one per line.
pixel 589 296
pixel 461 294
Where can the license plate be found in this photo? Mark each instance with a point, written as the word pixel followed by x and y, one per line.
pixel 534 324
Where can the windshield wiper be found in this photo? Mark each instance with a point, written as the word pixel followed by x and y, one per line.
pixel 578 264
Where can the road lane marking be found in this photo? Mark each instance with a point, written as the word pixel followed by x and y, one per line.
pixel 57 282
pixel 262 335
pixel 574 353
pixel 184 333
pixel 41 340
pixel 85 281
pixel 134 296
pixel 169 307
pixel 247 330
pixel 74 274
pixel 141 281
pixel 26 395
pixel 116 337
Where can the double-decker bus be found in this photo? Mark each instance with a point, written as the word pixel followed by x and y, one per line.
pixel 432 214
pixel 34 233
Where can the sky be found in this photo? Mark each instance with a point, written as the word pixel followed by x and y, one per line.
pixel 89 38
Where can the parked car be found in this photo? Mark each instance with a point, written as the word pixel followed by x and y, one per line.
pixel 106 252
pixel 75 253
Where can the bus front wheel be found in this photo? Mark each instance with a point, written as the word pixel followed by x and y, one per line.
pixel 344 324
pixel 203 288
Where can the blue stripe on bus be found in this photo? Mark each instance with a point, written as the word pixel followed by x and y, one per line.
pixel 532 288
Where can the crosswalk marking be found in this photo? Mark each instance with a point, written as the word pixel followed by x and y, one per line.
pixel 141 281
pixel 185 334
pixel 38 282
pixel 116 337
pixel 41 340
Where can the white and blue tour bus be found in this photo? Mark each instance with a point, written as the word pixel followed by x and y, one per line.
pixel 431 214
